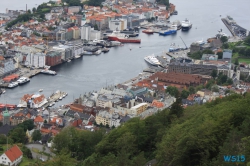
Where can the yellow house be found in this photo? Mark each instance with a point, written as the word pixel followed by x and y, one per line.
pixel 103 117
pixel 138 109
pixel 29 134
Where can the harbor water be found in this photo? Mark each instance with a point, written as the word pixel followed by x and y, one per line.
pixel 90 73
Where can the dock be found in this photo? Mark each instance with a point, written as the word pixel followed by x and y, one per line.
pixel 234 28
pixel 54 97
pixel 180 53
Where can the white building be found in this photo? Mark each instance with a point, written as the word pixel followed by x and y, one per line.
pixel 85 32
pixel 74 9
pixel 6 66
pixel 11 157
pixel 35 60
pixel 48 16
pixel 119 25
pixel 94 34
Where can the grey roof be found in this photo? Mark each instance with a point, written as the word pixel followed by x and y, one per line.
pixel 188 102
pixel 124 119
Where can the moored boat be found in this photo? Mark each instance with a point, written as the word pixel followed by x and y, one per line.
pixel 151 59
pixel 148 31
pixel 123 38
pixel 23 80
pixel 169 31
pixel 186 25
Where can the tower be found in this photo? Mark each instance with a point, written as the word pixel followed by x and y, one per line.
pixel 6 117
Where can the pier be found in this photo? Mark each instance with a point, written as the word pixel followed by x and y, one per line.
pixel 58 95
pixel 180 53
pixel 234 28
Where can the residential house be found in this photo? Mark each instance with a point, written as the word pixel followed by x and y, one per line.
pixel 38 122
pixel 107 100
pixel 12 156
pixel 138 109
pixel 29 134
pixel 18 118
pixel 104 118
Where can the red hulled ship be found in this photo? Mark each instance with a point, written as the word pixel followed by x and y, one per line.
pixel 148 31
pixel 123 38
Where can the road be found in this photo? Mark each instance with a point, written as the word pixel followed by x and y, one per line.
pixel 39 147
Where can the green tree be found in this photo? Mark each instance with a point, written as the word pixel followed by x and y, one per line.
pixel 45 121
pixel 62 159
pixel 36 135
pixel 220 55
pixel 3 139
pixel 33 9
pixel 247 52
pixel 107 126
pixel 214 74
pixel 18 135
pixel 236 61
pixel 191 90
pixel 184 94
pixel 29 11
pixel 176 108
pixel 26 152
pixel 95 27
pixel 223 39
pixel 173 91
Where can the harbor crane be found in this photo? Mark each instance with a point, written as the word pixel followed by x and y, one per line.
pixel 184 44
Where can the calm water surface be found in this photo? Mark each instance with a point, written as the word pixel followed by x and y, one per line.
pixel 93 72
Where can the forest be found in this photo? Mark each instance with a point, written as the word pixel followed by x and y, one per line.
pixel 197 135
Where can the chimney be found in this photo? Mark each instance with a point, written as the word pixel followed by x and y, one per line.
pixel 26 8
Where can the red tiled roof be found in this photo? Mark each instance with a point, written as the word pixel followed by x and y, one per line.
pixel 13 153
pixel 77 122
pixel 38 119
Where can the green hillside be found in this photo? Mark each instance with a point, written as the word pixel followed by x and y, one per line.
pixel 201 135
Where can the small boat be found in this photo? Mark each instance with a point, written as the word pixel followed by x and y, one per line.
pixel 60 98
pixel 40 90
pixel 77 56
pixel 148 31
pixel 69 60
pixel 3 91
pixel 105 50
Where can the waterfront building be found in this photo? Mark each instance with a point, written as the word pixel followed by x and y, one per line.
pixel 94 34
pixel 66 51
pixel 179 80
pixel 138 109
pixel 32 101
pixel 35 60
pixel 85 32
pixel 53 58
pixel 189 68
pixel 118 25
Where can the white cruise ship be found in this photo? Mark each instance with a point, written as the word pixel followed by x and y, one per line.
pixel 152 60
pixel 186 25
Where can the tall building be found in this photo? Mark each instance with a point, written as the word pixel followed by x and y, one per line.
pixel 79 19
pixel 120 24
pixel 85 32
pixel 6 117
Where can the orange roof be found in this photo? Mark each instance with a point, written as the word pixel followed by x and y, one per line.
pixel 13 153
pixel 157 104
pixel 45 130
pixel 39 99
pixel 38 119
